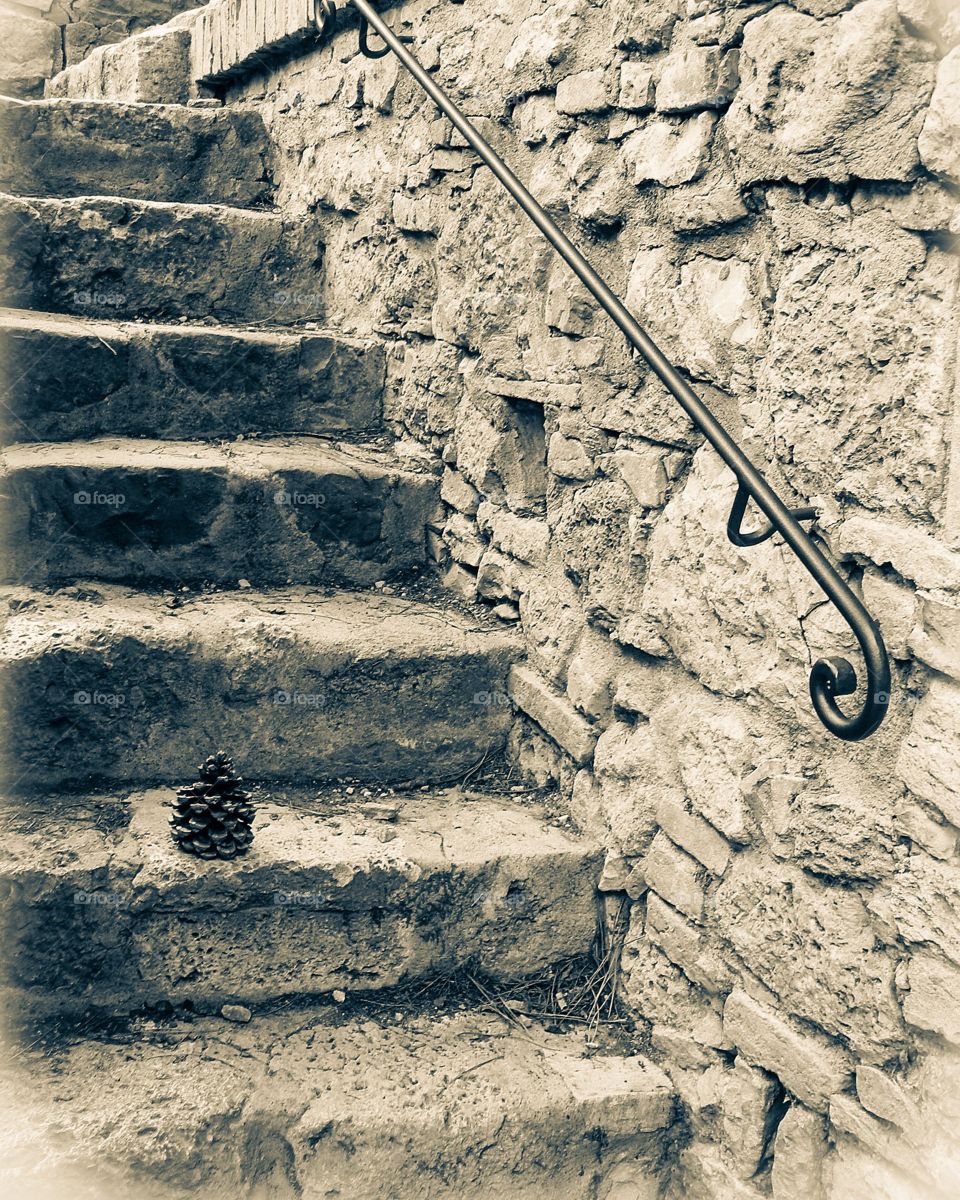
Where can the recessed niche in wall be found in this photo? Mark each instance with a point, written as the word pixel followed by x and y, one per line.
pixel 525 478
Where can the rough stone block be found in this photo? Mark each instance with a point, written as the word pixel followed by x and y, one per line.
pixel 936 638
pixel 181 381
pixel 636 87
pixel 591 672
pixel 751 1104
pixel 644 472
pixel 459 494
pixel 929 762
pixel 828 337
pixel 569 307
pixel 339 1080
pixel 628 777
pixel 811 1068
pixel 693 834
pixel 846 985
pixel 675 876
pixel 582 94
pixel 882 1139
pixel 799 1151
pixel 415 214
pixel 921 903
pixel 152 68
pixel 687 947
pixel 670 151
pixel 816 98
pixel 644 27
pixel 939 142
pixel 568 459
pixel 31 54
pixel 933 1001
pixel 883 1096
pixel 553 713
pixel 914 553
pixel 276 510
pixel 696 77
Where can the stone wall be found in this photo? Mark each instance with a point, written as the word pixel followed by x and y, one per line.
pixel 774 189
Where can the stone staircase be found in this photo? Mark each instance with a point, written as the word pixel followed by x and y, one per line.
pixel 212 541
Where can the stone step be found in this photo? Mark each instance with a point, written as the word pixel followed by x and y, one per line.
pixel 153 67
pixel 271 511
pixel 104 912
pixel 109 257
pixel 307 1104
pixel 68 377
pixel 144 151
pixel 103 684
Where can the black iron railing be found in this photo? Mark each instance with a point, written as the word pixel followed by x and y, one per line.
pixel 829 677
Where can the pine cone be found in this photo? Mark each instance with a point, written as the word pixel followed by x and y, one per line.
pixel 213 818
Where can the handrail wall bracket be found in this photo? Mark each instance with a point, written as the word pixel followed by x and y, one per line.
pixel 829 677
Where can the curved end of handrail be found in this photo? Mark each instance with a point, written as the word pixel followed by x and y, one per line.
pixel 832 677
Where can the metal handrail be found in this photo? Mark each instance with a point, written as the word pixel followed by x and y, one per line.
pixel 829 677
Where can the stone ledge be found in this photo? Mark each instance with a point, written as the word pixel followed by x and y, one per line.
pixel 810 1068
pixel 235 37
pixel 555 715
pixel 913 554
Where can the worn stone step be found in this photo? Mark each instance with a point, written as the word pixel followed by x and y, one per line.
pixel 269 511
pixel 144 151
pixel 103 684
pixel 303 1104
pixel 68 377
pixel 153 67
pixel 109 257
pixel 104 912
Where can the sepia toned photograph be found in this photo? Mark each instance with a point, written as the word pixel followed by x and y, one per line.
pixel 480 600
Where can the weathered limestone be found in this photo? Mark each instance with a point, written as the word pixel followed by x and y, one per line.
pixel 553 713
pixel 31 53
pixel 94 23
pixel 940 136
pixel 815 98
pixel 798 1153
pixel 811 1068
pixel 933 1001
pixel 78 148
pixel 357 685
pixel 119 918
pixel 669 152
pixel 314 1119
pixel 152 68
pixel 233 37
pixel 695 77
pixel 787 240
pixel 70 377
pixel 138 258
pixel 929 762
pixel 281 510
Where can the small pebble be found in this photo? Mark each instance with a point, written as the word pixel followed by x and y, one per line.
pixel 244 583
pixel 236 1012
pixel 380 811
pixel 339 996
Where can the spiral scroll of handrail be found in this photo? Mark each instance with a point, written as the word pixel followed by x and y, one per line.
pixel 829 677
